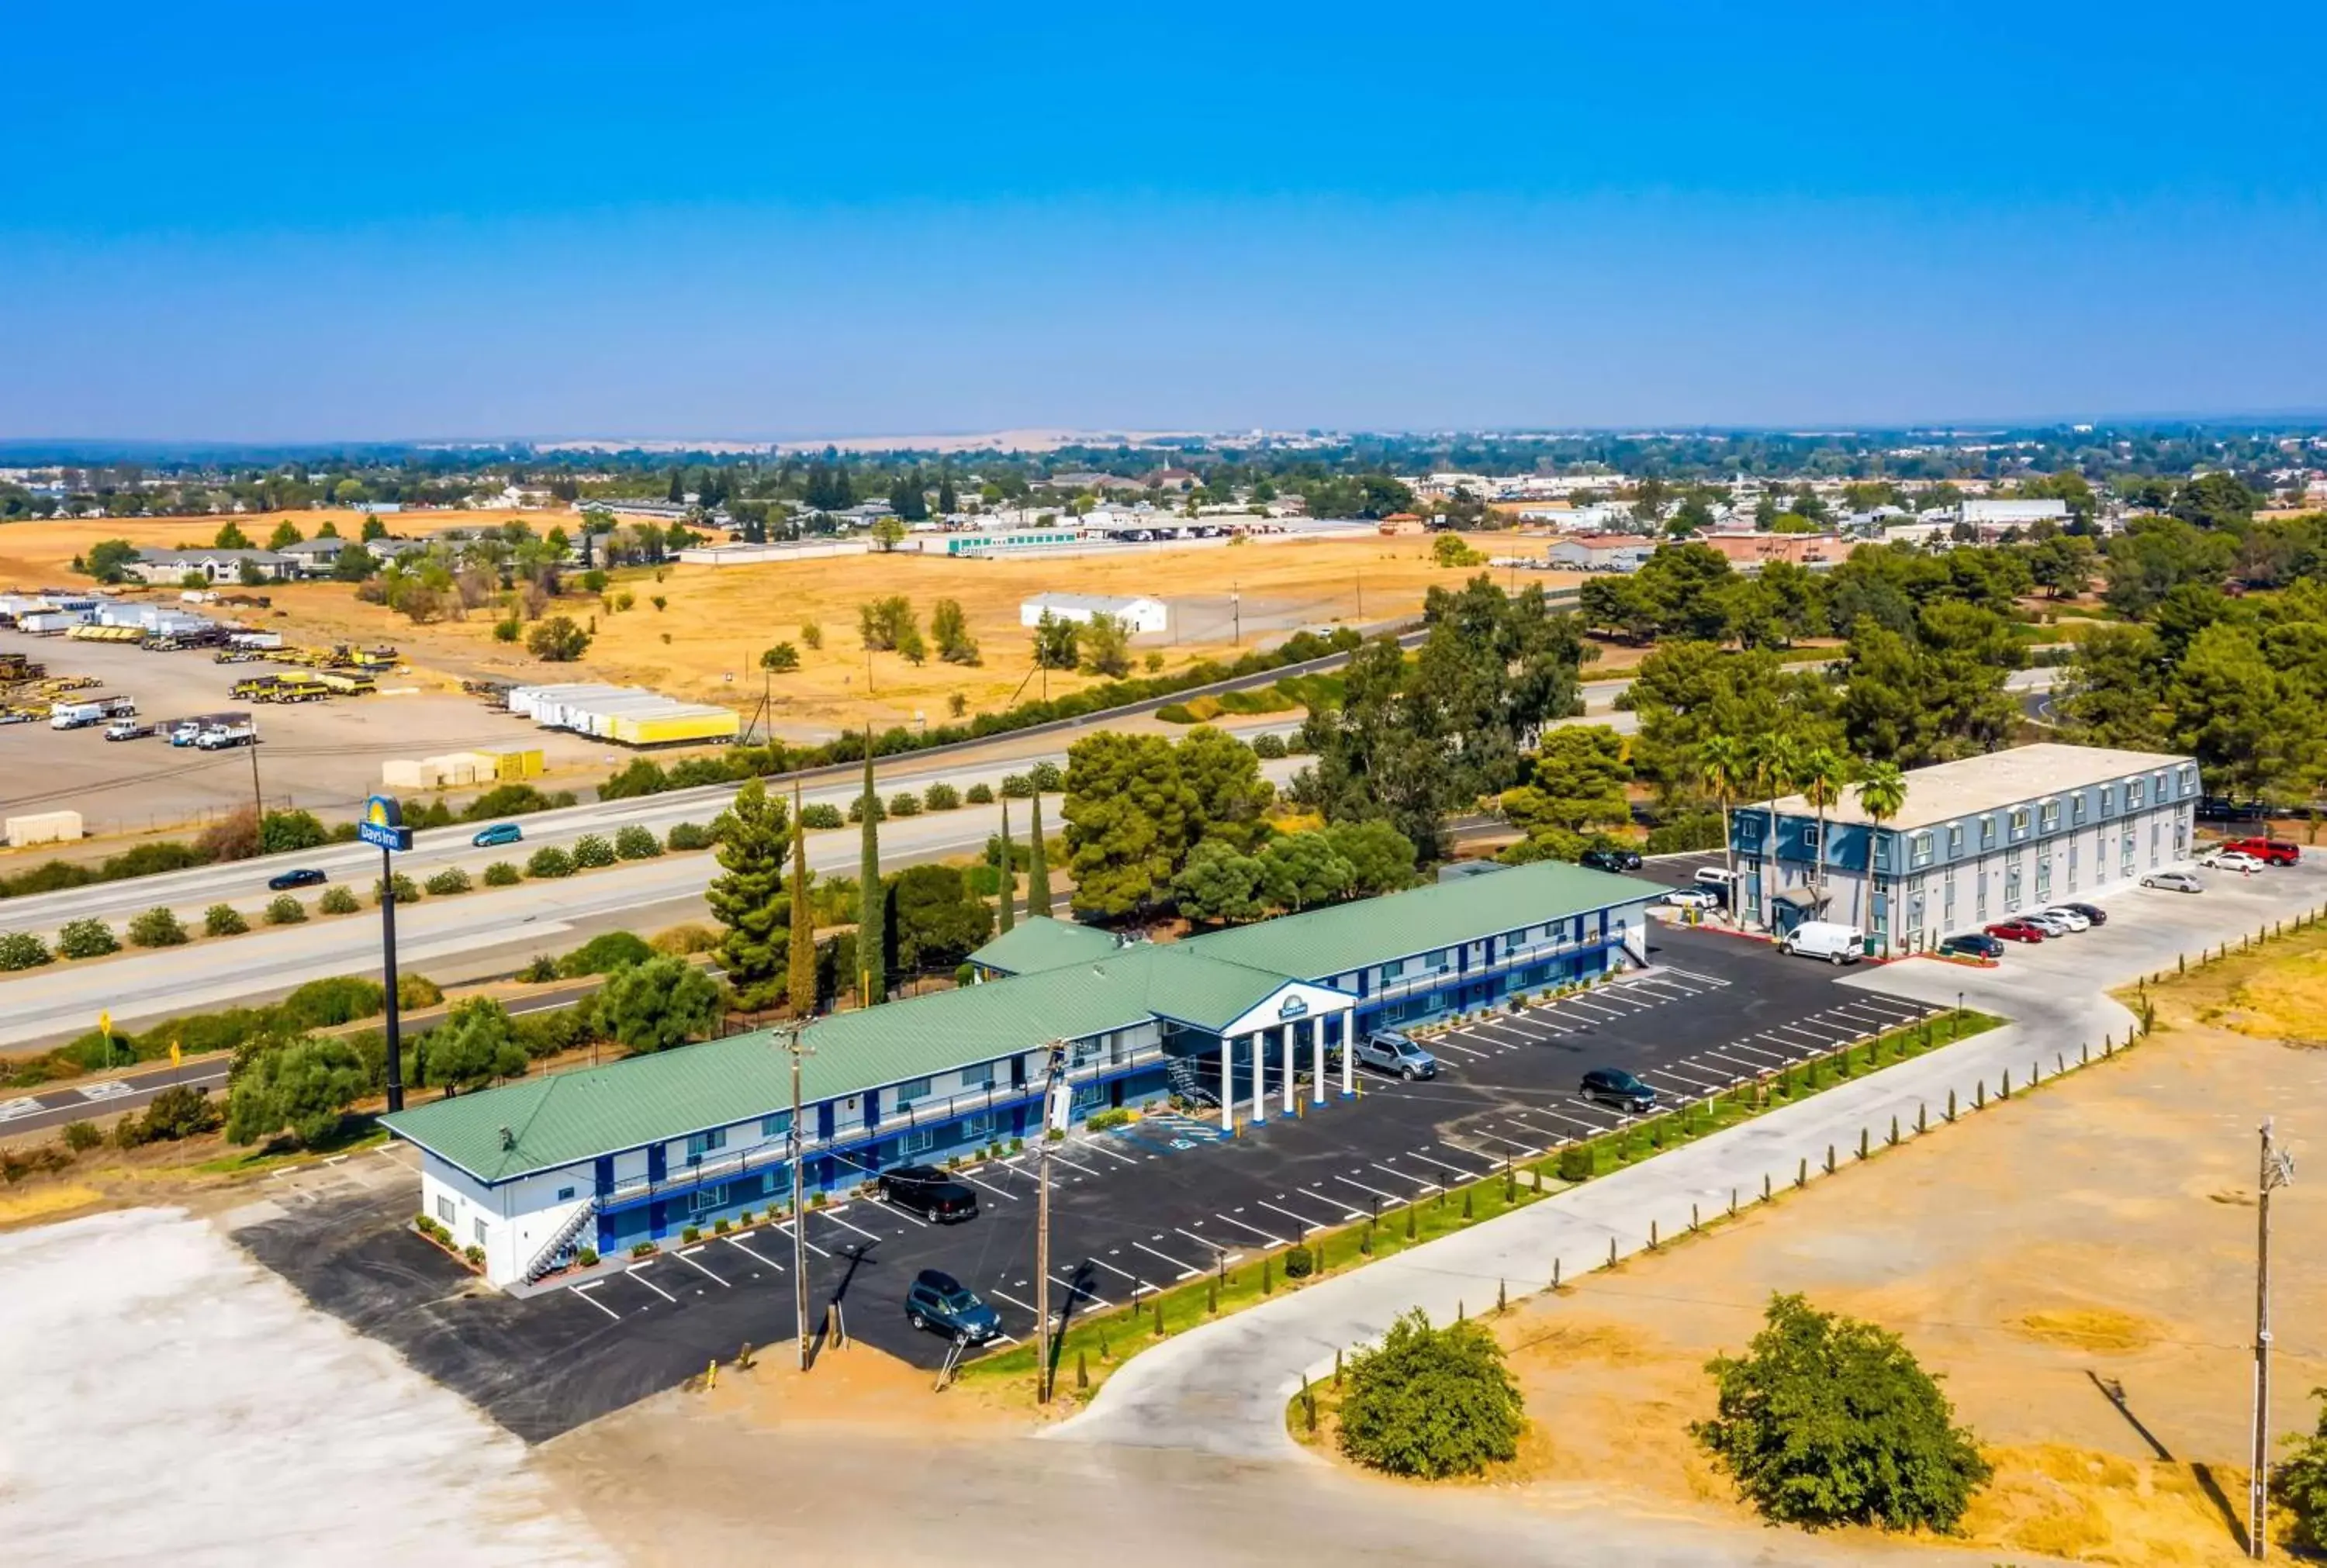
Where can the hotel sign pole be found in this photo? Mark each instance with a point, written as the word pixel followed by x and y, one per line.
pixel 383 825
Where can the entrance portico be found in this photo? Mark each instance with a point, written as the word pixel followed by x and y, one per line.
pixel 1272 1035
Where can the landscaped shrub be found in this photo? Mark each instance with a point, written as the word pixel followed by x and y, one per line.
pixel 474 1255
pixel 941 798
pixel 1114 1116
pixel 591 850
pixel 603 954
pixel 587 1257
pixel 856 810
pixel 692 1232
pixel 1300 1264
pixel 979 794
pixel 905 802
pixel 632 842
pixel 81 1137
pixel 682 940
pixel 1576 1163
pixel 686 835
pixel 339 902
pixel 502 873
pixel 1268 746
pixel 22 951
pixel 540 972
pixel 1176 714
pixel 407 892
pixel 1048 776
pixel 2299 1481
pixel 642 1249
pixel 338 999
pixel 1016 787
pixel 1828 1421
pixel 1431 1401
pixel 549 861
pixel 820 813
pixel 451 880
pixel 223 920
pixel 157 927
pixel 86 939
pixel 417 991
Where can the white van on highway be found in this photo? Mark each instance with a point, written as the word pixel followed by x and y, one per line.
pixel 1835 943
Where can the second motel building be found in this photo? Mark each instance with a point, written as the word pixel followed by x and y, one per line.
pixel 635 1151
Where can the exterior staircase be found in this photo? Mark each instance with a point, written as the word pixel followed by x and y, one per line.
pixel 1187 1079
pixel 561 1243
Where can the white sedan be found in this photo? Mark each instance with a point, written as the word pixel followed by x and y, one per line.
pixel 2173 881
pixel 2070 919
pixel 2229 860
pixel 1693 899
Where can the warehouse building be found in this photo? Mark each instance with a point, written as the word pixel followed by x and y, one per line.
pixel 1135 613
pixel 1975 840
pixel 636 1150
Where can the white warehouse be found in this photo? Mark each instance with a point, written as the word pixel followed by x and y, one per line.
pixel 1137 613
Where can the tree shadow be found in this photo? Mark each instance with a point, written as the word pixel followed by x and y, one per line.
pixel 2208 1482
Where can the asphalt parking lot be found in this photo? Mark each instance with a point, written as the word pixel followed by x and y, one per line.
pixel 1134 1210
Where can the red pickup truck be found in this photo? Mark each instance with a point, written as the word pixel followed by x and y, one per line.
pixel 2269 850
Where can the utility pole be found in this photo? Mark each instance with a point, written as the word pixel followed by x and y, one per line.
pixel 794 1048
pixel 2276 1171
pixel 257 800
pixel 1042 1336
pixel 1236 612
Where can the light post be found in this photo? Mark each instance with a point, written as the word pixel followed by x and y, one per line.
pixel 383 826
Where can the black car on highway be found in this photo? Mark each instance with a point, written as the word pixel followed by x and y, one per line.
pixel 1612 1086
pixel 285 881
pixel 930 1192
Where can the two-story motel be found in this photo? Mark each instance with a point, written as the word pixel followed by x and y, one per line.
pixel 610 1156
pixel 1975 840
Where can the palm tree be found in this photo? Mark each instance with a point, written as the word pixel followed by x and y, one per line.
pixel 1772 760
pixel 1882 791
pixel 1722 767
pixel 1823 773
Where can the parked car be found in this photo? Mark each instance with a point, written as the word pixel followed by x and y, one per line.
pixel 305 877
pixel 2269 850
pixel 1971 944
pixel 2072 918
pixel 2173 881
pixel 1612 1086
pixel 2015 931
pixel 2229 860
pixel 940 1302
pixel 1611 859
pixel 2050 924
pixel 2094 914
pixel 1720 881
pixel 1386 1051
pixel 1827 939
pixel 1693 899
pixel 930 1192
pixel 499 833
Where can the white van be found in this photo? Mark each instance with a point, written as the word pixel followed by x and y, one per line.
pixel 1837 944
pixel 1721 882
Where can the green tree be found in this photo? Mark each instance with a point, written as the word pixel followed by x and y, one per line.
pixel 1131 819
pixel 2062 565
pixel 1038 861
pixel 2299 1481
pixel 949 628
pixel 1218 883
pixel 1058 642
pixel 1577 781
pixel 476 1043
pixel 2251 728
pixel 780 659
pixel 658 1005
pixel 158 926
pixel 231 537
pixel 937 919
pixel 1828 1421
pixel 1380 858
pixel 286 534
pixel 888 533
pixel 2113 690
pixel 2155 556
pixel 108 559
pixel 1298 870
pixel 1723 772
pixel 1007 870
pixel 747 896
pixel 1232 799
pixel 557 641
pixel 303 1086
pixel 799 933
pixel 1431 1402
pixel 873 977
pixel 1106 647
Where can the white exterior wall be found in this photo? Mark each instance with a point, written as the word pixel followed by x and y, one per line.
pixel 512 1222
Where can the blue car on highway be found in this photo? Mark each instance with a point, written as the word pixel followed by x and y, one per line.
pixel 499 833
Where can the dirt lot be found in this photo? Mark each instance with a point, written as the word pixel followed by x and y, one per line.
pixel 2077 1264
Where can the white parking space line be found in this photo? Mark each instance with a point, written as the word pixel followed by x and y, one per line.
pixel 867 1234
pixel 1503 1033
pixel 1446 1044
pixel 1688 1068
pixel 1460 1170
pixel 1058 1159
pixel 1525 1152
pixel 1739 1045
pixel 1085 1292
pixel 901 1212
pixel 973 1181
pixel 1711 982
pixel 751 1252
pixel 634 1273
pixel 787 1229
pixel 1240 1225
pixel 688 1258
pixel 1560 1115
pixel 1591 1007
pixel 1392 1170
pixel 1665 982
pixel 1621 996
pixel 1304 1222
pixel 1551 1136
pixel 1329 1203
pixel 1822 1037
pixel 1185 1271
pixel 1000 1294
pixel 1095 1148
pixel 1741 1064
pixel 1387 1196
pixel 1138 1284
pixel 1621 1120
pixel 1538 1019
pixel 1880 1019
pixel 584 1291
pixel 1206 1241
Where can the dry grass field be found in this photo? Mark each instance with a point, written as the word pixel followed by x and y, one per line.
pixel 704 643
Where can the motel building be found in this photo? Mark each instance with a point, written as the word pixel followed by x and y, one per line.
pixel 1977 840
pixel 610 1156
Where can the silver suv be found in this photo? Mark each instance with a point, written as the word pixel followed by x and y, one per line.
pixel 1386 1051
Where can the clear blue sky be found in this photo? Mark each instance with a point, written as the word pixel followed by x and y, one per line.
pixel 275 222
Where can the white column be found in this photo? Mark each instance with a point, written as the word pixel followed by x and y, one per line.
pixel 1228 1086
pixel 1317 1060
pixel 1284 1055
pixel 1259 1080
pixel 1350 1048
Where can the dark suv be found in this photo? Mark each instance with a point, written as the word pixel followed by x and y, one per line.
pixel 305 877
pixel 940 1302
pixel 929 1192
pixel 1612 1086
pixel 1611 859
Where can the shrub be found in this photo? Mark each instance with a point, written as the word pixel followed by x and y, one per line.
pixel 549 861
pixel 856 810
pixel 1176 714
pixel 557 641
pixel 1696 830
pixel 1828 1421
pixel 451 880
pixel 821 813
pixel 604 953
pixel 1300 1264
pixel 686 835
pixel 1047 777
pixel 587 1257
pixel 22 951
pixel 1114 1116
pixel 692 1232
pixel 223 920
pixel 474 1255
pixel 501 874
pixel 324 1004
pixel 339 902
pixel 682 940
pixel 157 927
pixel 980 794
pixel 2299 1481
pixel 407 892
pixel 86 939
pixel 1268 746
pixel 941 798
pixel 1015 786
pixel 1576 1163
pixel 1431 1401
pixel 592 850
pixel 417 991
pixel 905 802
pixel 632 842
pixel 780 659
pixel 82 1136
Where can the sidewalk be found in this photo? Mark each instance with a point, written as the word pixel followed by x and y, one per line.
pixel 1222 1388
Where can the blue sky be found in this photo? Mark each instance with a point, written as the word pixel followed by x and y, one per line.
pixel 290 222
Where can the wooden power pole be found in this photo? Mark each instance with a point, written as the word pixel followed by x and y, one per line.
pixel 2276 1170
pixel 1042 1336
pixel 795 1048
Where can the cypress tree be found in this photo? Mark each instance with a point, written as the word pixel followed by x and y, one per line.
pixel 1009 873
pixel 1038 868
pixel 801 983
pixel 746 897
pixel 871 968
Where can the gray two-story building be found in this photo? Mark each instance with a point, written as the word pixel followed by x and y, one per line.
pixel 1975 841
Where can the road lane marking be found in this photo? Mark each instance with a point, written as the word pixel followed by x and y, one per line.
pixel 110 1089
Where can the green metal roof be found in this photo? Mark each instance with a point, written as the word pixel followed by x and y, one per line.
pixel 1043 943
pixel 1341 937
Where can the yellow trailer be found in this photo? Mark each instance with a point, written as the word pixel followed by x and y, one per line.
pixel 665 728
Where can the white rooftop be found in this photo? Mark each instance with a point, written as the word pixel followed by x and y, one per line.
pixel 1947 790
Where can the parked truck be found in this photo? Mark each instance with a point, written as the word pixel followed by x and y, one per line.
pixel 217 737
pixel 80 715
